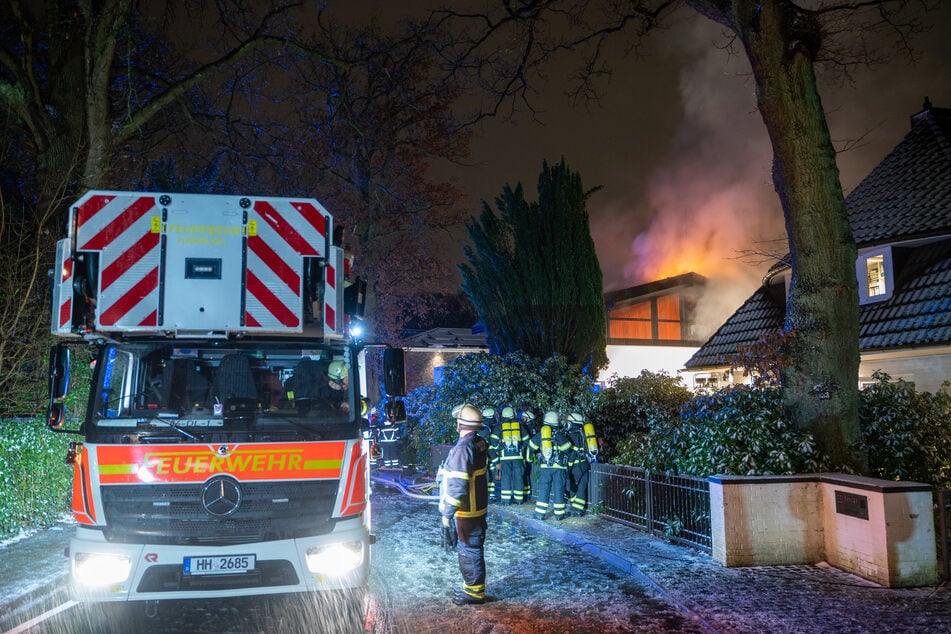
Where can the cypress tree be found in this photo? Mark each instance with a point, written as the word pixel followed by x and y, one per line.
pixel 533 274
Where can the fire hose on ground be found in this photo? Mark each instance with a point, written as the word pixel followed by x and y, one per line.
pixel 422 487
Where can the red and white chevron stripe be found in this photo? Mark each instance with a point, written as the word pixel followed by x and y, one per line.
pixel 280 233
pixel 121 228
pixel 269 236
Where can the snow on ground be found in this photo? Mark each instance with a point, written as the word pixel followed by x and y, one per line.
pixel 534 583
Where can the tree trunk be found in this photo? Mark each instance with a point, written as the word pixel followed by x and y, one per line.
pixel 821 385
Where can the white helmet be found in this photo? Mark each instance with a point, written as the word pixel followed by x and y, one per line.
pixel 551 419
pixel 508 413
pixel 469 416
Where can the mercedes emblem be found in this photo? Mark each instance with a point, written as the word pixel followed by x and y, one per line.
pixel 221 496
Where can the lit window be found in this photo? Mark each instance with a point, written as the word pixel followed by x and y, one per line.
pixel 874 269
pixel 875 273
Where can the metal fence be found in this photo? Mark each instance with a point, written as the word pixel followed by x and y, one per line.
pixel 943 511
pixel 675 507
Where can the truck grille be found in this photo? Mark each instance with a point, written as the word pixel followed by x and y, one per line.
pixel 173 514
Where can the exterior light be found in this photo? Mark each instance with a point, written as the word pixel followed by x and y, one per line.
pixel 101 569
pixel 335 559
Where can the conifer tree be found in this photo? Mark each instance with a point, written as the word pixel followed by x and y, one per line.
pixel 533 274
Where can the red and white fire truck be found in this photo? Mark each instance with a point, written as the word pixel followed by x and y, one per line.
pixel 222 453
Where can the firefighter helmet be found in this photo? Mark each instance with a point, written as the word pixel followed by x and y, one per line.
pixel 337 370
pixel 469 416
pixel 508 413
pixel 551 418
pixel 488 412
pixel 574 418
pixel 528 415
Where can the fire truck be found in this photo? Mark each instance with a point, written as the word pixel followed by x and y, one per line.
pixel 221 451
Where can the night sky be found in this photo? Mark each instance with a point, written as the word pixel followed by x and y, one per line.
pixel 683 156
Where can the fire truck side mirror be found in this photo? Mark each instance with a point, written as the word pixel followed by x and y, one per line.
pixel 58 386
pixel 394 373
pixel 355 297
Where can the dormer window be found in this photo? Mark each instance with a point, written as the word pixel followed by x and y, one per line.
pixel 876 274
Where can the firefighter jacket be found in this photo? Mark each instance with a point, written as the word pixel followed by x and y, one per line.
pixel 464 490
pixel 560 449
pixel 389 433
pixel 579 453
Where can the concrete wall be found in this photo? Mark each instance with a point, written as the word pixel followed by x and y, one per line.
pixel 880 530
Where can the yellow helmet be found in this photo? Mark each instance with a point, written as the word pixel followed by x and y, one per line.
pixel 469 416
pixel 551 418
pixel 337 370
pixel 508 412
pixel 488 412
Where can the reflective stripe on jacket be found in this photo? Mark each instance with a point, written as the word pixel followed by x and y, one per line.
pixel 464 490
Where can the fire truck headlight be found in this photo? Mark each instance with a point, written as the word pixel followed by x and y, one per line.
pixel 335 559
pixel 101 569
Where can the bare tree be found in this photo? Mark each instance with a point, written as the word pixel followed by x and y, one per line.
pixel 509 48
pixel 275 94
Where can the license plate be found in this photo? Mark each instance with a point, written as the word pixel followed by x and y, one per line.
pixel 218 565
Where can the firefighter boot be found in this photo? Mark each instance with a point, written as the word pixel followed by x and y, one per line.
pixel 460 597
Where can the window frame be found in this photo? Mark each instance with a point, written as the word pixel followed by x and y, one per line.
pixel 861 273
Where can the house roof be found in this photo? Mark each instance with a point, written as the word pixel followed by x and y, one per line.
pixel 906 197
pixel 653 288
pixel 908 194
pixel 458 338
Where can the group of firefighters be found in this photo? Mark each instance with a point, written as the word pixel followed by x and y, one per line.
pixel 548 459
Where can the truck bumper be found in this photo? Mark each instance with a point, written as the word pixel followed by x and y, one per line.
pixel 107 571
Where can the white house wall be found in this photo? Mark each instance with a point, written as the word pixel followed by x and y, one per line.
pixel 630 361
pixel 926 368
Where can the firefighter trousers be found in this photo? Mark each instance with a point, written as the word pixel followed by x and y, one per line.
pixel 391 454
pixel 513 480
pixel 579 487
pixel 551 484
pixel 471 551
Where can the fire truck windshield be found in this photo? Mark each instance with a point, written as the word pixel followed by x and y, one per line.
pixel 159 391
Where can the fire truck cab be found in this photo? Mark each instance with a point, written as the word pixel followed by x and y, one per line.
pixel 222 453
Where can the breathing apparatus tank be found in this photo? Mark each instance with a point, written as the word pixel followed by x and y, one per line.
pixel 548 446
pixel 590 439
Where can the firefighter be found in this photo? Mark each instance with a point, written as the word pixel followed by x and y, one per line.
pixel 371 434
pixel 510 446
pixel 336 392
pixel 390 434
pixel 551 447
pixel 319 385
pixel 488 431
pixel 463 501
pixel 530 476
pixel 584 451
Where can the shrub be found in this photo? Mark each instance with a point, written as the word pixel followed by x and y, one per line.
pixel 634 405
pixel 488 380
pixel 34 479
pixel 741 431
pixel 734 431
pixel 907 432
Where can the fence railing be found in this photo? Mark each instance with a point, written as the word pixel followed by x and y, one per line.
pixel 675 507
pixel 943 511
